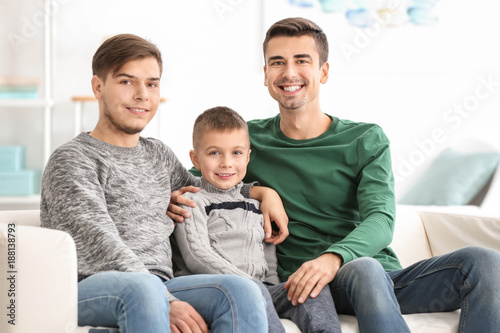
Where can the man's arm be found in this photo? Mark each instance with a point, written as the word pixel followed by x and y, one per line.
pixel 73 201
pixel 272 211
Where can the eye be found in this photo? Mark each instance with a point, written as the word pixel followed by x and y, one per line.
pixel 238 152
pixel 125 82
pixel 214 152
pixel 153 85
pixel 277 63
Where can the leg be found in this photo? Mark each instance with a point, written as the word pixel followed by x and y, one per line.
pixel 465 279
pixel 315 315
pixel 363 288
pixel 228 303
pixel 274 322
pixel 134 302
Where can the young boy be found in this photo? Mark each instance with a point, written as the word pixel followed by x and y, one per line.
pixel 224 234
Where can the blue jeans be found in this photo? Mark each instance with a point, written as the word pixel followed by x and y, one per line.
pixel 137 303
pixel 466 279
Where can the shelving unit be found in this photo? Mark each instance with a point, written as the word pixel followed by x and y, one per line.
pixel 45 102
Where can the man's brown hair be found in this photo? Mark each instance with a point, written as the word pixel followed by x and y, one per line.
pixel 219 118
pixel 116 51
pixel 297 27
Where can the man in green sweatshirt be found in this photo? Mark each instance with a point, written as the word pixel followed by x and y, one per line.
pixel 335 179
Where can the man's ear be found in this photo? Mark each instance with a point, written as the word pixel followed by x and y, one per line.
pixel 265 75
pixel 194 159
pixel 325 68
pixel 97 85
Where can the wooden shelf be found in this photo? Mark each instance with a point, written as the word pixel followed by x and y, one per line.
pixel 21 103
pixel 20 202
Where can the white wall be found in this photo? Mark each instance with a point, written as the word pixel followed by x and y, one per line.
pixel 410 80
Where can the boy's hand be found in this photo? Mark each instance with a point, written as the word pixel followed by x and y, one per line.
pixel 175 212
pixel 184 318
pixel 272 211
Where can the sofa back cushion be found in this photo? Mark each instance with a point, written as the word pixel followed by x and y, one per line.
pixel 410 239
pixel 21 217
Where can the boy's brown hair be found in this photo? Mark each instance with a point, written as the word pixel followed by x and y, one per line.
pixel 297 27
pixel 116 51
pixel 219 118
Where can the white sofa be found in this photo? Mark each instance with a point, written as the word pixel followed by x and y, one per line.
pixel 39 274
pixel 45 287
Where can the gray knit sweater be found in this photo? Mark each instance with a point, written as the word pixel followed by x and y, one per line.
pixel 113 202
pixel 224 235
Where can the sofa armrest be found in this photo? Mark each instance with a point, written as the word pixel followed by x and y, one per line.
pixel 40 270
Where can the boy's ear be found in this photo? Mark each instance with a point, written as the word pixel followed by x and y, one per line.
pixel 194 159
pixel 248 156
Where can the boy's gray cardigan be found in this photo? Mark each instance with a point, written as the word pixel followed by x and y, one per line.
pixel 224 235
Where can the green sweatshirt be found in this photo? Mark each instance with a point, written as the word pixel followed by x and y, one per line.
pixel 337 189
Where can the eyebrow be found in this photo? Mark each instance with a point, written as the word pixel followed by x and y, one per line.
pixel 133 77
pixel 297 56
pixel 218 148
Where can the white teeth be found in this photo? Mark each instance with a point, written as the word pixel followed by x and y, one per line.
pixel 224 174
pixel 291 88
pixel 137 110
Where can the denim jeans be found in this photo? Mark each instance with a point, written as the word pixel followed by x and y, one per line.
pixel 315 315
pixel 273 321
pixel 137 303
pixel 466 279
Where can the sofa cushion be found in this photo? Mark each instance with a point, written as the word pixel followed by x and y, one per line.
pixel 454 178
pixel 450 231
pixel 491 201
pixel 410 240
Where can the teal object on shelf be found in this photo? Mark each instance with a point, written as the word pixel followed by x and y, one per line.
pixel 12 158
pixel 22 182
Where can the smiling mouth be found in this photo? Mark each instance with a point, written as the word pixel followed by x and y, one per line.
pixel 137 110
pixel 291 88
pixel 225 174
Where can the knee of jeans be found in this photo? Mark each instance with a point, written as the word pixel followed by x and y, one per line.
pixel 485 260
pixel 366 270
pixel 239 285
pixel 145 288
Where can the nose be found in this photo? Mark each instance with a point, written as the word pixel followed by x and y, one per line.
pixel 141 93
pixel 225 162
pixel 290 71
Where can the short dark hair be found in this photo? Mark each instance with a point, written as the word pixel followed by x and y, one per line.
pixel 116 51
pixel 219 118
pixel 296 27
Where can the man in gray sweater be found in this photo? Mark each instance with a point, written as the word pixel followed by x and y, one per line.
pixel 110 189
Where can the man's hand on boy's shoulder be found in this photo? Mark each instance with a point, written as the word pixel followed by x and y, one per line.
pixel 175 211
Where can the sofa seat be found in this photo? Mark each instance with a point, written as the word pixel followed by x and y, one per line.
pixel 46 288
